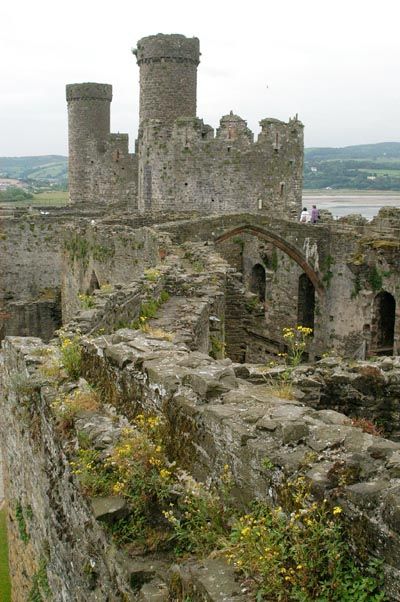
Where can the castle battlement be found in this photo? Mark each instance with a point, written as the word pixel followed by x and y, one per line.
pixel 180 163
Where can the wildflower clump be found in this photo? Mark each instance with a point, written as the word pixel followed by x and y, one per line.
pixel 201 520
pixel 137 469
pixel 296 340
pixel 167 507
pixel 297 552
pixel 300 553
pixel 68 407
pixel 86 301
pixel 71 355
pixel 152 275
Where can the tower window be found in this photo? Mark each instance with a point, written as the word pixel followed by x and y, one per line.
pixel 257 281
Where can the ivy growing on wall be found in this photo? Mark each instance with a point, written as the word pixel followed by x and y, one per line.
pixel 375 279
pixel 326 265
pixel 274 260
pixel 356 286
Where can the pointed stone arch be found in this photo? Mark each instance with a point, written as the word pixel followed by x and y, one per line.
pixel 280 243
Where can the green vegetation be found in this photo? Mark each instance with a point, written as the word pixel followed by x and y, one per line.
pixel 356 286
pixel 40 591
pixel 40 168
pixel 67 407
pixel 14 193
pixel 5 586
pixel 102 253
pixel 44 181
pixel 296 339
pixel 217 347
pixel 362 167
pixel 48 198
pixel 148 310
pixel 300 553
pixel 152 275
pixel 21 523
pixel 295 552
pixel 24 384
pixel 86 301
pixel 71 356
pixel 56 198
pixel 77 247
pixel 375 279
pixel 274 259
pixel 80 248
pixel 326 265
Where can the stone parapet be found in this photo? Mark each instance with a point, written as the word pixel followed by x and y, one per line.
pixel 89 91
pixel 168 46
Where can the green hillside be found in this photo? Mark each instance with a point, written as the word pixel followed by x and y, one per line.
pixel 35 169
pixel 361 167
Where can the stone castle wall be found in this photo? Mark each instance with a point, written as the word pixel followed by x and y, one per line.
pixel 186 167
pixel 212 419
pixel 179 165
pixel 354 264
pixel 101 169
pixel 30 285
pixel 101 255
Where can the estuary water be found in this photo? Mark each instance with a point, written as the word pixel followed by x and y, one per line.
pixel 340 204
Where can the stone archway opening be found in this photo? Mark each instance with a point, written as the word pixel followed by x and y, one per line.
pixel 383 322
pixel 93 284
pixel 257 281
pixel 306 302
pixel 254 330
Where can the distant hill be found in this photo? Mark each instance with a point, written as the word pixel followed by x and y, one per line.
pixel 46 168
pixel 362 167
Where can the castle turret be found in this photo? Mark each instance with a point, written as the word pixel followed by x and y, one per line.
pixel 232 127
pixel 168 77
pixel 88 128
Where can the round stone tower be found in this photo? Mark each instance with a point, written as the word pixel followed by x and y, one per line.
pixel 88 128
pixel 168 76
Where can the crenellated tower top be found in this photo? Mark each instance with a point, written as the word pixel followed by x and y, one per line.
pixel 168 76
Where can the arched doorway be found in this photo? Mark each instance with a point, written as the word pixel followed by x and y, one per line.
pixel 383 320
pixel 93 284
pixel 306 302
pixel 257 281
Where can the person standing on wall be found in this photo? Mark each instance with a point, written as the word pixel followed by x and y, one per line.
pixel 305 216
pixel 314 214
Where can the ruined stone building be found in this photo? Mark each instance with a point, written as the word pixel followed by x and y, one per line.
pixel 179 164
pixel 175 269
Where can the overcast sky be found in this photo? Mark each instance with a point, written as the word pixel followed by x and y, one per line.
pixel 334 62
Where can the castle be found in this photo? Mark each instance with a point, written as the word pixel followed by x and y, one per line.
pixel 173 273
pixel 179 165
